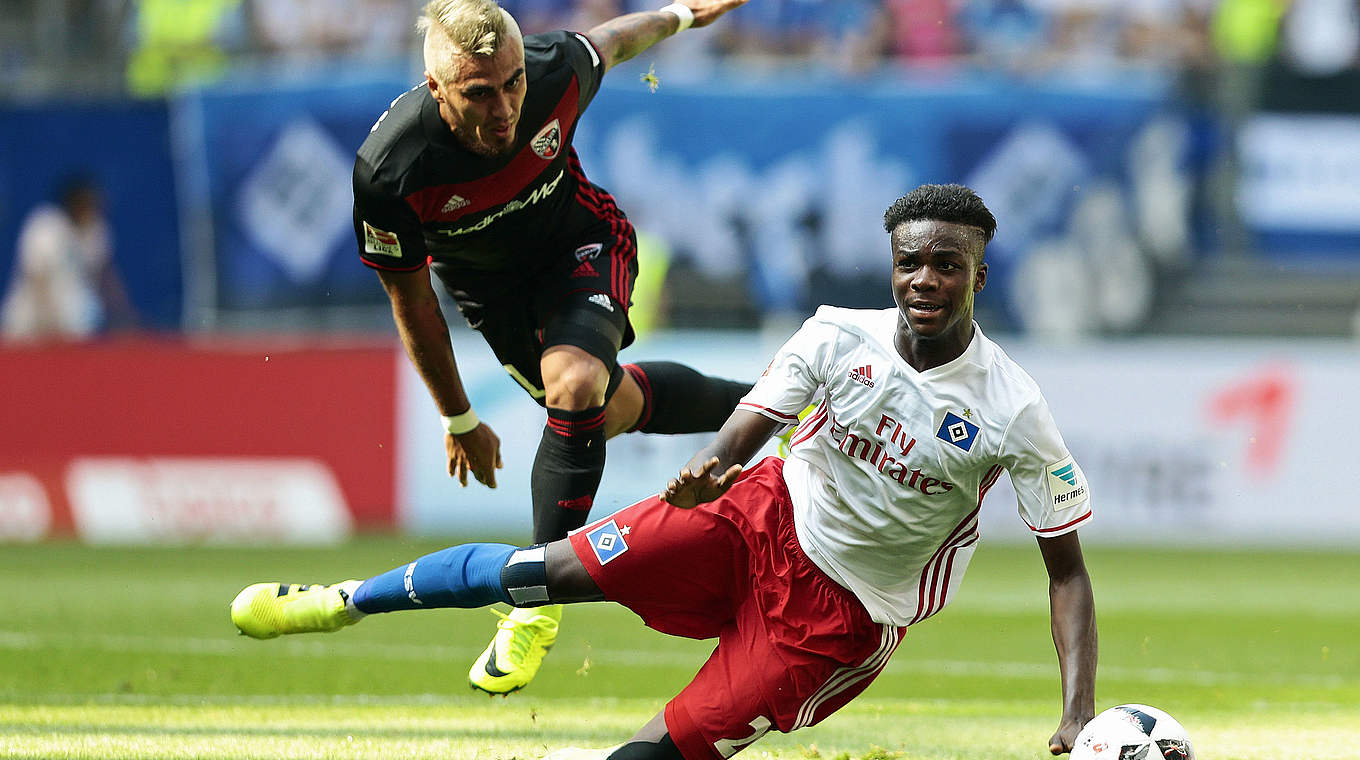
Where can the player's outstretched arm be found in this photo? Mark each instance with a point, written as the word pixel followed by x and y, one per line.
pixel 716 466
pixel 623 37
pixel 1072 608
pixel 425 335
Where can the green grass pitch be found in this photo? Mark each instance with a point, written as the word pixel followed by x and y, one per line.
pixel 128 653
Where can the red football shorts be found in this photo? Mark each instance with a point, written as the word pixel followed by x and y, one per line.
pixel 793 646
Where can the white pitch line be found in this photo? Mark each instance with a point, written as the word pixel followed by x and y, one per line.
pixel 327 647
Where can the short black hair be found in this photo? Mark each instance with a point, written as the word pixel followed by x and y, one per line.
pixel 74 188
pixel 944 203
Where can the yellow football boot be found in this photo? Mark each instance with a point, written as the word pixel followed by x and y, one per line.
pixel 266 610
pixel 512 659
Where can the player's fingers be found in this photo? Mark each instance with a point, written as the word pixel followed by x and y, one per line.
pixel 480 466
pixel 730 475
pixel 677 495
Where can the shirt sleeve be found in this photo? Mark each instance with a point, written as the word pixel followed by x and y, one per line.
pixel 387 228
pixel 43 242
pixel 794 375
pixel 1053 495
pixel 587 64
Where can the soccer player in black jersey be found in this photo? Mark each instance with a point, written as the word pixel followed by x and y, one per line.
pixel 472 175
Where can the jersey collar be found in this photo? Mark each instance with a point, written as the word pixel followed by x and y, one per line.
pixel 975 352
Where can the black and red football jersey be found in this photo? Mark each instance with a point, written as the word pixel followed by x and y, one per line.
pixel 419 195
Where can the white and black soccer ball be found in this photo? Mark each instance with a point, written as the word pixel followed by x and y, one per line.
pixel 1133 732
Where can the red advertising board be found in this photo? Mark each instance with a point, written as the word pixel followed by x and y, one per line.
pixel 163 417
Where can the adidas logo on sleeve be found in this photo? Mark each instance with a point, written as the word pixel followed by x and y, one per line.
pixel 863 375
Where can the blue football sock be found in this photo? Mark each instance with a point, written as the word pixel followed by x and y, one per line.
pixel 460 576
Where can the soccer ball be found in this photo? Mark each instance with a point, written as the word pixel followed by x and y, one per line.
pixel 1133 732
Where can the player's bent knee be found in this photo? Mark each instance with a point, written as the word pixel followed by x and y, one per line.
pixel 573 379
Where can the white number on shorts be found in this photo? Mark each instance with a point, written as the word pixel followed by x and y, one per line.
pixel 729 747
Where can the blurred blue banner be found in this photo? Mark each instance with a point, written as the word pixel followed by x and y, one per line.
pixel 786 182
pixel 237 199
pixel 780 184
pixel 271 172
pixel 124 147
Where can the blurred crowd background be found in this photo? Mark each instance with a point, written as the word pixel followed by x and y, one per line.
pixel 1157 166
pixel 144 47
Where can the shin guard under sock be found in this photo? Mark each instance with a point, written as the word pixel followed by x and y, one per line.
pixel 464 576
pixel 567 471
pixel 679 399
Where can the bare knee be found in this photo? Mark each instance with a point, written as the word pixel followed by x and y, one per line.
pixel 573 379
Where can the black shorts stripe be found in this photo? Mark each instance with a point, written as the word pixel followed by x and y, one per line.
pixel 602 205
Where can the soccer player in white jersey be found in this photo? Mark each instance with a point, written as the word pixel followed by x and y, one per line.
pixel 810 571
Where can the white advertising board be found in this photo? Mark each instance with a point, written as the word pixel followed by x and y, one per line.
pixel 1183 442
pixel 1188 442
pixel 1302 172
pixel 25 512
pixel 121 500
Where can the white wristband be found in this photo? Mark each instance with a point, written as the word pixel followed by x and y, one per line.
pixel 682 12
pixel 461 423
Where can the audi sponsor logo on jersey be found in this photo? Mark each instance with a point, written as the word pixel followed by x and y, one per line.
pixel 887 450
pixel 863 375
pixel 381 242
pixel 548 142
pixel 539 193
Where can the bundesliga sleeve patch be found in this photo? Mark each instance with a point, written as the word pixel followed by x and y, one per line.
pixel 1066 485
pixel 607 542
pixel 957 431
pixel 381 242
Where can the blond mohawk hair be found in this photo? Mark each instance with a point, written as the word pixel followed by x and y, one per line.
pixel 460 27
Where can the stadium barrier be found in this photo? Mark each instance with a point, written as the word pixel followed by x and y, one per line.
pixel 147 441
pixel 1183 442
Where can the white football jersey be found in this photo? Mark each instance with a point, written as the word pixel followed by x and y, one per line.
pixel 888 474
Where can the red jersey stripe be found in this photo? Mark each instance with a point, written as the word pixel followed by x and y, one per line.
pixel 1064 526
pixel 486 193
pixel 768 412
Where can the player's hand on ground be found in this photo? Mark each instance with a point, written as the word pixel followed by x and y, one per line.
pixel 1066 736
pixel 477 451
pixel 690 489
pixel 708 11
